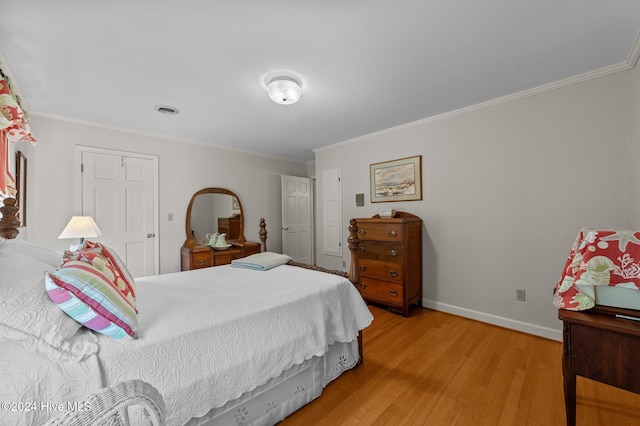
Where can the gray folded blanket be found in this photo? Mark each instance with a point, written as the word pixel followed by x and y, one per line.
pixel 261 261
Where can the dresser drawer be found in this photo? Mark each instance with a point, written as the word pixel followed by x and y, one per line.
pixel 380 231
pixel 201 260
pixel 381 291
pixel 388 252
pixel 225 257
pixel 385 271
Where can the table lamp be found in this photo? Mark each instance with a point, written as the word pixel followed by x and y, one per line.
pixel 80 227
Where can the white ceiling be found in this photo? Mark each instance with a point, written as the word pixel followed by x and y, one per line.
pixel 365 65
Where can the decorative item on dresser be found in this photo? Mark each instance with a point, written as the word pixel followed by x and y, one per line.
pixel 208 209
pixel 390 261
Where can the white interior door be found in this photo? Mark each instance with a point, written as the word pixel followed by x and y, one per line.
pixel 297 240
pixel 332 212
pixel 118 190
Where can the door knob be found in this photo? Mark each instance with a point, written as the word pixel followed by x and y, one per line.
pixel 152 235
pixel 285 228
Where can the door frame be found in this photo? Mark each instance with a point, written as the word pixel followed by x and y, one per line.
pixel 80 149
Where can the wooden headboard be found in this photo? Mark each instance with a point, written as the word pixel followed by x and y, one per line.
pixel 9 222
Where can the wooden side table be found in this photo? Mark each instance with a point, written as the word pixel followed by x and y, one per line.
pixel 600 346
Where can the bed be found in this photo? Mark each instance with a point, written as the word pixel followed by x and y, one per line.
pixel 250 348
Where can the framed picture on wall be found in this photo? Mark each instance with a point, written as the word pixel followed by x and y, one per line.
pixel 21 186
pixel 396 180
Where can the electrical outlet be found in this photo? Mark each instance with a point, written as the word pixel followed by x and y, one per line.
pixel 344 263
pixel 170 217
pixel 520 294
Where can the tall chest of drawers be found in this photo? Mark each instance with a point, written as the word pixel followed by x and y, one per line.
pixel 390 261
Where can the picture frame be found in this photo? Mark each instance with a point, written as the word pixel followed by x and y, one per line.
pixel 396 180
pixel 21 186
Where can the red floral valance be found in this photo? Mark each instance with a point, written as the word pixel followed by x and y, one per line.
pixel 14 127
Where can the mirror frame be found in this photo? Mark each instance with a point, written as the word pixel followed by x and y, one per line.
pixel 190 241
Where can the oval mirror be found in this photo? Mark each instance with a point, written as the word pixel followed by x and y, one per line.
pixel 214 210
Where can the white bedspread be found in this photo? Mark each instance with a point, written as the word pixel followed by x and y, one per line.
pixel 244 328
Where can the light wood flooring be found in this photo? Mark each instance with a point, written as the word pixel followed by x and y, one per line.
pixel 439 369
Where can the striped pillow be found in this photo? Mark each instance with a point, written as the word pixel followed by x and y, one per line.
pixel 96 258
pixel 90 297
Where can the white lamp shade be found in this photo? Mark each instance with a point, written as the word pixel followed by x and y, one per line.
pixel 284 90
pixel 80 227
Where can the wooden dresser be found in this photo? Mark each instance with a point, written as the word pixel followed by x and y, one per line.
pixel 390 261
pixel 203 256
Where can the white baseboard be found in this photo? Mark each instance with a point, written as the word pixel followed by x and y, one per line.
pixel 524 327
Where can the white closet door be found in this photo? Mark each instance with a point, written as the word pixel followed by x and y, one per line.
pixel 118 190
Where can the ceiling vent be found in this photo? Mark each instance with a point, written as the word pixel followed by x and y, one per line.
pixel 166 109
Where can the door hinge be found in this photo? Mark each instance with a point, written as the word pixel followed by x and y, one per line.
pixel 81 167
pixel 338 179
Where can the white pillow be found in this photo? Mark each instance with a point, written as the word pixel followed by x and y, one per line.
pixel 34 251
pixel 28 315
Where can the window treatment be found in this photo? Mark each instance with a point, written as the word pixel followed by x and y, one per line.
pixel 14 127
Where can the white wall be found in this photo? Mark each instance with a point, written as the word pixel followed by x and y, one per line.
pixel 183 168
pixel 505 191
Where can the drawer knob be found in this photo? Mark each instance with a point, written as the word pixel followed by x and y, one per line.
pixel 393 233
pixel 393 293
pixel 362 268
pixel 362 249
pixel 392 252
pixel 200 262
pixel 393 273
pixel 361 231
pixel 363 285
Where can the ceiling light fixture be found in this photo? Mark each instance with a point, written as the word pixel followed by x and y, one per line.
pixel 284 90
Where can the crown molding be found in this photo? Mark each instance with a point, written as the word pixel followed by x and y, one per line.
pixel 162 136
pixel 629 63
pixel 634 53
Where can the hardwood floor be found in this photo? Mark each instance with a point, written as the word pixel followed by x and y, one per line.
pixel 439 369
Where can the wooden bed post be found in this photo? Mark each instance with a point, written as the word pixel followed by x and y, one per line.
pixel 263 233
pixel 354 271
pixel 354 243
pixel 9 222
